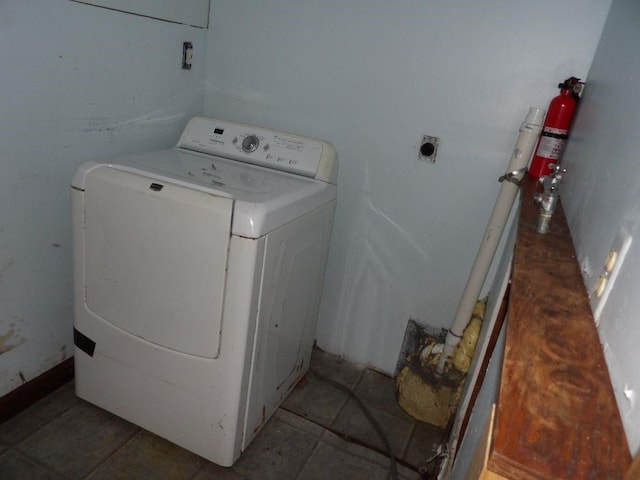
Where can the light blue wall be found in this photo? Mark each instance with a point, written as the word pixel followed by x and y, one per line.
pixel 373 76
pixel 602 194
pixel 78 83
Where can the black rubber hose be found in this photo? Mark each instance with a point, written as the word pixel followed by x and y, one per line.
pixel 370 417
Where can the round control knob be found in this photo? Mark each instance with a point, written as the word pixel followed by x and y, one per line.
pixel 250 143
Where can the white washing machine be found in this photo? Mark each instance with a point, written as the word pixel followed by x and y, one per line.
pixel 197 279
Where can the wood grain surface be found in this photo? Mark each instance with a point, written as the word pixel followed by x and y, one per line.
pixel 556 416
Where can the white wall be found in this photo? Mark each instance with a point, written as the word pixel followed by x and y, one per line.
pixel 373 76
pixel 603 193
pixel 78 83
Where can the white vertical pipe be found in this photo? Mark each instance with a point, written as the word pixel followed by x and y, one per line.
pixel 527 139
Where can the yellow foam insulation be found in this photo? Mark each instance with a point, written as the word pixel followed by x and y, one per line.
pixel 433 398
pixel 423 402
pixel 463 353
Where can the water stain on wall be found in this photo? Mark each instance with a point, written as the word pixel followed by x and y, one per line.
pixel 6 267
pixel 10 340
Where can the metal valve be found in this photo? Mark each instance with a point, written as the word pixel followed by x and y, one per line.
pixel 548 199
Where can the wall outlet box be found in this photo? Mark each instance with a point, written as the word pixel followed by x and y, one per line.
pixel 428 148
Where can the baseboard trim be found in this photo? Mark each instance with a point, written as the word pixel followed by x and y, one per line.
pixel 29 393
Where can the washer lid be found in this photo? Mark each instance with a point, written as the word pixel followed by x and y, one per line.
pixel 264 199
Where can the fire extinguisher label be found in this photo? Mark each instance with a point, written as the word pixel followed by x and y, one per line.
pixel 550 147
pixel 555 133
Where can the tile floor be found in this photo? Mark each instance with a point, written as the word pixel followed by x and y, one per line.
pixel 318 433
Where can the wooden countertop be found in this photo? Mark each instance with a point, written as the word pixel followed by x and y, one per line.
pixel 556 416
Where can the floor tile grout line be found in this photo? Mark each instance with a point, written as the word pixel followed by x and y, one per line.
pixel 201 469
pixel 319 382
pixel 393 412
pixel 405 417
pixel 16 446
pixel 339 411
pixel 358 400
pixel 359 379
pixel 400 457
pixel 56 416
pixel 348 438
pixel 318 378
pixel 25 456
pixel 137 432
pixel 296 427
pixel 315 448
pixel 405 450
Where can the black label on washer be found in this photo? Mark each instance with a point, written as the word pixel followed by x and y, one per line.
pixel 83 342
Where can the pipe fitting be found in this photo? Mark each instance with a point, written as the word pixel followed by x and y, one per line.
pixel 548 199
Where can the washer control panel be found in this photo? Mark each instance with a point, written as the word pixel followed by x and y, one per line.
pixel 260 146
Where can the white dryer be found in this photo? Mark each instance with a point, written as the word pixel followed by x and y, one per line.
pixel 197 279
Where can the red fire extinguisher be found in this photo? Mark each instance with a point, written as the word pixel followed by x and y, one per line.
pixel 556 128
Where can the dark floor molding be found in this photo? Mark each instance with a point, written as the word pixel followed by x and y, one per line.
pixel 29 393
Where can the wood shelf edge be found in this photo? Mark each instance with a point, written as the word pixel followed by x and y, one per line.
pixel 556 407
